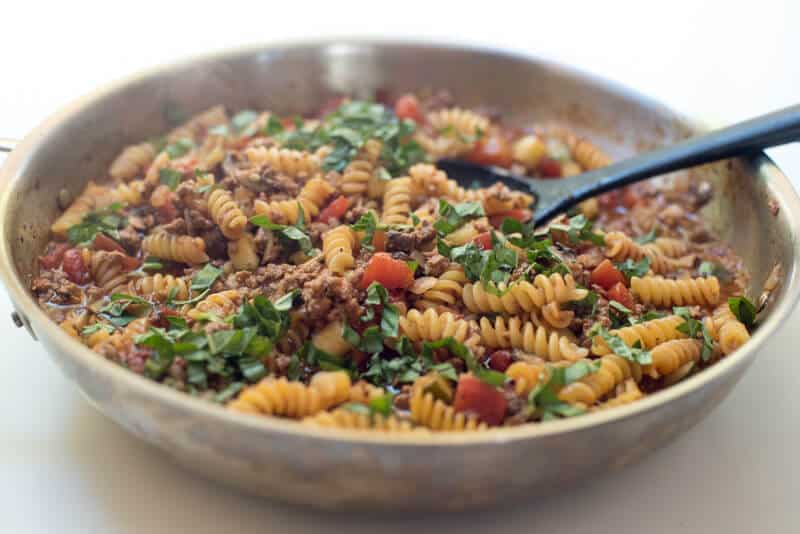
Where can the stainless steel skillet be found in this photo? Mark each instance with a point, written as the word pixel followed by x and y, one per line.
pixel 282 459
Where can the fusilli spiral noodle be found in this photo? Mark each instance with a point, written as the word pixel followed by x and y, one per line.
pixel 337 248
pixel 133 161
pixel 670 356
pixel 446 291
pixel 648 334
pixel 129 193
pixel 663 292
pixel 523 296
pixel 432 326
pixel 221 304
pixel 586 154
pixel 621 247
pixel 630 393
pixel 346 419
pixel 285 161
pixel 457 130
pixel 726 329
pixel 159 286
pixel 613 371
pixel 525 376
pixel 356 177
pixel 90 199
pixel 311 198
pixel 363 392
pixel 397 201
pixel 436 415
pixel 181 248
pixel 293 399
pixel 107 269
pixel 512 332
pixel 226 213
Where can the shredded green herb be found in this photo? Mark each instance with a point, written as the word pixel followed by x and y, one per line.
pixel 107 221
pixel 744 310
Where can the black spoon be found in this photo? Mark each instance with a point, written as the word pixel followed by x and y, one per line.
pixel 557 196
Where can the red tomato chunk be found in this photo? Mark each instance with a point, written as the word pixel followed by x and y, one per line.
pixel 550 168
pixel 484 240
pixel 491 150
pixel 407 107
pixel 606 275
pixel 475 396
pixel 621 294
pixel 74 267
pixel 499 360
pixel 389 272
pixel 335 209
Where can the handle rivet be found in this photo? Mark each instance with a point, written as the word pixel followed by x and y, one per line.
pixel 17 320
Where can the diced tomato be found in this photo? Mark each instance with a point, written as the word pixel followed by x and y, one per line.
pixel 521 215
pixel 103 242
pixel 606 275
pixel 621 294
pixel 335 209
pixel 629 197
pixel 484 240
pixel 74 267
pixel 550 168
pixel 407 107
pixel 54 255
pixel 473 395
pixel 499 360
pixel 389 272
pixel 129 263
pixel 491 150
pixel 610 200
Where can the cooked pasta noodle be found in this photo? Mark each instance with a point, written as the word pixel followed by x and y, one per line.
pixel 660 291
pixel 181 248
pixel 226 213
pixel 647 334
pixel 726 329
pixel 133 161
pixel 337 247
pixel 514 333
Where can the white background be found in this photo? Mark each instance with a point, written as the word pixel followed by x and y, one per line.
pixel 65 468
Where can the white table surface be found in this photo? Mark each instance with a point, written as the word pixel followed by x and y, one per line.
pixel 65 468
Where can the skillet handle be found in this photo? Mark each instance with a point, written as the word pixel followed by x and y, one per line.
pixel 7 145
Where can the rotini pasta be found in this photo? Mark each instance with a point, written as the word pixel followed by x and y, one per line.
pixel 285 161
pixel 242 253
pixel 670 356
pixel 293 399
pixel 648 334
pixel 662 292
pixel 181 248
pixel 133 161
pixel 226 213
pixel 525 376
pixel 337 247
pixel 159 286
pixel 514 333
pixel 432 326
pixel 523 296
pixel 726 329
pixel 311 198
pixel 613 371
pixel 620 247
pixel 343 418
pixel 445 290
pixel 397 201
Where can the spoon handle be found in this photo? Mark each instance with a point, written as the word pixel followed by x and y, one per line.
pixel 772 129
